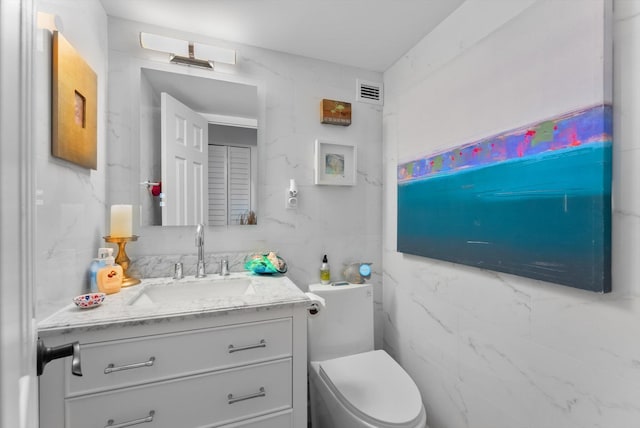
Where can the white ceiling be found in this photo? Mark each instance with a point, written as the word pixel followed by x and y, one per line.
pixel 369 34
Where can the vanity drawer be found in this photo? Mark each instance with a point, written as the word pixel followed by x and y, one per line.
pixel 206 400
pixel 117 364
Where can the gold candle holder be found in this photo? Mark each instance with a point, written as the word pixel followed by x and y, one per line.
pixel 122 259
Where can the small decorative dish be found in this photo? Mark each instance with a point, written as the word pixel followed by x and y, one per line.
pixel 91 300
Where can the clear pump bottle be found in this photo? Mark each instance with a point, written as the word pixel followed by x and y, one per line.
pixel 325 272
pixel 96 265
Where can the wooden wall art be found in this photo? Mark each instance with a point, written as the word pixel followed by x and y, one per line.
pixel 335 112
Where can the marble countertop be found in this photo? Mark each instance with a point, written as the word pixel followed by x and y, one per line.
pixel 132 304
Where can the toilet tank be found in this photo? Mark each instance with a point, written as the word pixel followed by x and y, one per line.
pixel 345 325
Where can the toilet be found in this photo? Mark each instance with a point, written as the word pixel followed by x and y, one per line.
pixel 350 384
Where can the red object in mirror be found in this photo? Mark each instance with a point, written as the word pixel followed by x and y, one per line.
pixel 156 189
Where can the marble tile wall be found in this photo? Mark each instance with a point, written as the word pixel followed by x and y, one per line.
pixel 70 200
pixel 491 350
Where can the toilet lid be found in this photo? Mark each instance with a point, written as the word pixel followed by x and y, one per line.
pixel 373 385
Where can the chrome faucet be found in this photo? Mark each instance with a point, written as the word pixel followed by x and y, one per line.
pixel 200 269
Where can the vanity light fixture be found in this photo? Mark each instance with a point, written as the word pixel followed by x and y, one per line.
pixel 186 52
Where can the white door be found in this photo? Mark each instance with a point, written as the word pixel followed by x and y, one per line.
pixel 18 381
pixel 183 163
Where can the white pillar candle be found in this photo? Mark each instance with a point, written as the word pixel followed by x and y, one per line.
pixel 121 222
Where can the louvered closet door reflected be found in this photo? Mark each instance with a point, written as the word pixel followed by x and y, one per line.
pixel 217 185
pixel 229 184
pixel 239 182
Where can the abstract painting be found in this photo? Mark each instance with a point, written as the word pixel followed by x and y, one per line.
pixel 534 201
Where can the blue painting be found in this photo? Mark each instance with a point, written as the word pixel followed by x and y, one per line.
pixel 534 202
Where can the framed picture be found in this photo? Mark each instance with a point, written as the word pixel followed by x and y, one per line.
pixel 335 163
pixel 334 112
pixel 74 106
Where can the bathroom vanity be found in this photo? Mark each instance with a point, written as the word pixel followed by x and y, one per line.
pixel 190 353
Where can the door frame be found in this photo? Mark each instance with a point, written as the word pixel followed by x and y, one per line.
pixel 18 380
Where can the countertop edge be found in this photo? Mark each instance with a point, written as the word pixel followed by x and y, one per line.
pixel 71 318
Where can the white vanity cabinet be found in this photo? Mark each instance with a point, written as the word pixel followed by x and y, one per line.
pixel 237 369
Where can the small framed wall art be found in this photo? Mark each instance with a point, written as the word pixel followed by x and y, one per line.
pixel 74 106
pixel 335 112
pixel 335 164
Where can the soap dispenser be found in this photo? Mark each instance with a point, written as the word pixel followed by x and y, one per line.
pixel 96 265
pixel 110 277
pixel 325 273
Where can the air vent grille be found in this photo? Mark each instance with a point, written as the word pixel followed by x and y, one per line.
pixel 369 92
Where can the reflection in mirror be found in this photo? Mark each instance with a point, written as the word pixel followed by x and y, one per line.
pixel 198 139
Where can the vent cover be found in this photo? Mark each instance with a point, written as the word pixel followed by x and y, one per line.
pixel 369 92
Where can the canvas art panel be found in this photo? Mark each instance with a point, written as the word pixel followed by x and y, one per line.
pixel 533 201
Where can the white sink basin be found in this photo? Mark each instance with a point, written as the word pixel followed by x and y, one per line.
pixel 193 290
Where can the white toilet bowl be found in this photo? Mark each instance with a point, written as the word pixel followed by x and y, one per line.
pixel 366 390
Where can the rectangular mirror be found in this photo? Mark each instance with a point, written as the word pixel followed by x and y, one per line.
pixel 198 150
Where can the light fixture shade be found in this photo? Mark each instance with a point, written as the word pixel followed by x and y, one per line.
pixel 214 53
pixel 164 44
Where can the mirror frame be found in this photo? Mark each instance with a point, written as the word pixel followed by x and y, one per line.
pixel 222 103
pixel 132 181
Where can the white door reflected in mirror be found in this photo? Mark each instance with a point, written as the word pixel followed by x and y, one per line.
pixel 184 148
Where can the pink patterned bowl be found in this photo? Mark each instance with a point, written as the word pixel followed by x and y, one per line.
pixel 90 300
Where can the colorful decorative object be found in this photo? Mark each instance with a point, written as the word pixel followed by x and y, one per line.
pixel 534 201
pixel 74 106
pixel 335 112
pixel 266 264
pixel 335 163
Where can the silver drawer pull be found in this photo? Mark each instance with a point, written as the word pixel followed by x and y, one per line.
pixel 262 344
pixel 111 368
pixel 149 418
pixel 260 393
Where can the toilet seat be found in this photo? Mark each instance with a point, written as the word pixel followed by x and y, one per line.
pixel 375 388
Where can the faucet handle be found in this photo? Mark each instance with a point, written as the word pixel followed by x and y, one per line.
pixel 224 267
pixel 177 271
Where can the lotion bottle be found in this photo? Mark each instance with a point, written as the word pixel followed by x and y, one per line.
pixel 325 273
pixel 94 267
pixel 110 276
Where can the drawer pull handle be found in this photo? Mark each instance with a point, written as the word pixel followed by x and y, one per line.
pixel 260 393
pixel 111 368
pixel 262 344
pixel 149 418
